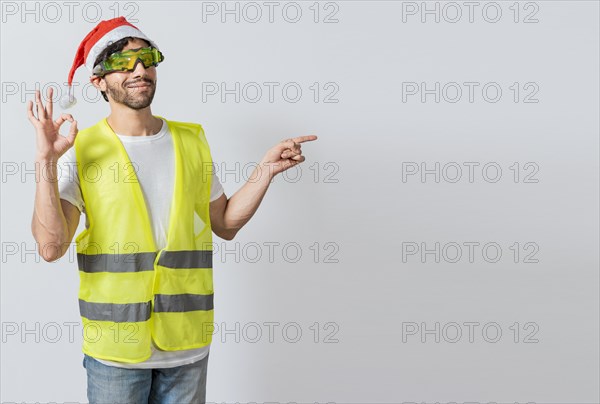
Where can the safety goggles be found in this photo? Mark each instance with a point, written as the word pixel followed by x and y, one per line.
pixel 126 60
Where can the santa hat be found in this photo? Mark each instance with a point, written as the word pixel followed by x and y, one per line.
pixel 104 34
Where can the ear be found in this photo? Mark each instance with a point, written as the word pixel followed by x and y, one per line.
pixel 98 82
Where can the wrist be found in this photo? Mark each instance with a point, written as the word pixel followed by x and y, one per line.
pixel 41 158
pixel 264 172
pixel 46 168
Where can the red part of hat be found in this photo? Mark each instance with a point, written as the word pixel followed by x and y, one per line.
pixel 91 39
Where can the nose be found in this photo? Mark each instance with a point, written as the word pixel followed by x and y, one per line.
pixel 138 68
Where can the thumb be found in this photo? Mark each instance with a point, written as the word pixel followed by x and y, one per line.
pixel 284 145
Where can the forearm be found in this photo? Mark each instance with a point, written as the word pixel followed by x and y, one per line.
pixel 48 225
pixel 244 203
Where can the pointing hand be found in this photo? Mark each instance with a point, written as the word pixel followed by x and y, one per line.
pixel 286 154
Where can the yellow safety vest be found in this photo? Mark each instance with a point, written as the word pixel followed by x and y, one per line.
pixel 130 292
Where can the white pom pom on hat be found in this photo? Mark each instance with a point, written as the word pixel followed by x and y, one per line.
pixel 104 34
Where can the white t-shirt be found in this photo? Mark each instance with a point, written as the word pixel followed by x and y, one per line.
pixel 153 158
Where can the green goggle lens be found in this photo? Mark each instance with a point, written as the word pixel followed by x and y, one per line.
pixel 123 61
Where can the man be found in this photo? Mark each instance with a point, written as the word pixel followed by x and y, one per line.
pixel 152 203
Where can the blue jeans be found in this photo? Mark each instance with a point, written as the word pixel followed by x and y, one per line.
pixel 178 385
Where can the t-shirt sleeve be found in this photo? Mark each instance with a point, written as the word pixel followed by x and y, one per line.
pixel 216 189
pixel 68 181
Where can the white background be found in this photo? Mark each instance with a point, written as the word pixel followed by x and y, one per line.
pixel 358 201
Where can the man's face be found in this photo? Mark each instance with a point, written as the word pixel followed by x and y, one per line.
pixel 134 89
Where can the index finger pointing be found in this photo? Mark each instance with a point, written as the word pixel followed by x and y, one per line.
pixel 301 139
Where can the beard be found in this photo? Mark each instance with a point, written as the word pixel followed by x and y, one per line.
pixel 134 98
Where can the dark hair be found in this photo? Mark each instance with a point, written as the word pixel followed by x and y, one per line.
pixel 112 48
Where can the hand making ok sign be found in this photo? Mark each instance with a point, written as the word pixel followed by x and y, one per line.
pixel 50 143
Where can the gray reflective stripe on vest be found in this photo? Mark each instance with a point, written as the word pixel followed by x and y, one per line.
pixel 119 313
pixel 186 259
pixel 134 262
pixel 183 302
